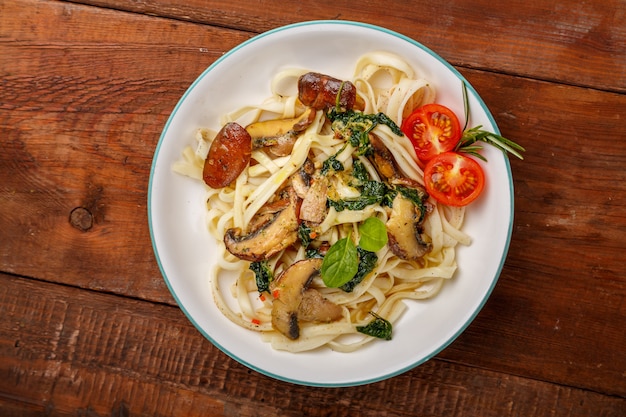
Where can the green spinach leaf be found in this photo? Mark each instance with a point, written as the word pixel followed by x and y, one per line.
pixel 367 263
pixel 332 164
pixel 372 192
pixel 359 172
pixel 417 197
pixel 379 327
pixel 304 234
pixel 263 275
pixel 355 126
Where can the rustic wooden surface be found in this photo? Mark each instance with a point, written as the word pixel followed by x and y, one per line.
pixel 87 325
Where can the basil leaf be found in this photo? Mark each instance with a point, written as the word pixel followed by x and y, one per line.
pixel 340 264
pixel 373 234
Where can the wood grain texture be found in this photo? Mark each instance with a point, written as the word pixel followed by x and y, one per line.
pixel 582 43
pixel 87 325
pixel 89 140
pixel 564 278
pixel 81 113
pixel 65 350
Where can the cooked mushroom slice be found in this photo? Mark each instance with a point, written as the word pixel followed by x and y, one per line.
pixel 386 166
pixel 314 307
pixel 301 180
pixel 285 320
pixel 289 288
pixel 271 237
pixel 267 213
pixel 382 158
pixel 313 208
pixel 279 135
pixel 410 183
pixel 299 184
pixel 296 302
pixel 404 230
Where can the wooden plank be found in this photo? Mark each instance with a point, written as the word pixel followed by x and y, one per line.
pixel 582 44
pixel 88 83
pixel 65 351
pixel 561 300
pixel 85 82
pixel 119 94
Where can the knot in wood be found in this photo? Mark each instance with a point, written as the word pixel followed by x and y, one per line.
pixel 81 219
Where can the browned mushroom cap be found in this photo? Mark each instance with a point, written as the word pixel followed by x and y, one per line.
pixel 267 213
pixel 410 183
pixel 272 236
pixel 288 289
pixel 404 230
pixel 404 227
pixel 279 135
pixel 295 302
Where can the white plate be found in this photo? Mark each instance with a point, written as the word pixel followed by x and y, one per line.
pixel 184 248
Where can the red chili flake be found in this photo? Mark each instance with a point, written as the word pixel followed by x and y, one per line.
pixel 262 297
pixel 256 321
pixel 275 293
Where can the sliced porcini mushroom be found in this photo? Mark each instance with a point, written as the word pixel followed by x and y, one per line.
pixel 295 302
pixel 267 213
pixel 404 227
pixel 275 234
pixel 299 184
pixel 314 307
pixel 410 183
pixel 386 166
pixel 404 230
pixel 301 180
pixel 313 208
pixel 289 288
pixel 420 191
pixel 279 135
pixel 382 158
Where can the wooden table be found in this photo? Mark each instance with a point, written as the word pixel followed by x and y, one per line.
pixel 87 324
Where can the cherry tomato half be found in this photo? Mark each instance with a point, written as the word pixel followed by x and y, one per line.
pixel 453 179
pixel 433 129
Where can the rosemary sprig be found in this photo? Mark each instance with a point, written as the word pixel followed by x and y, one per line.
pixel 466 108
pixel 470 137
